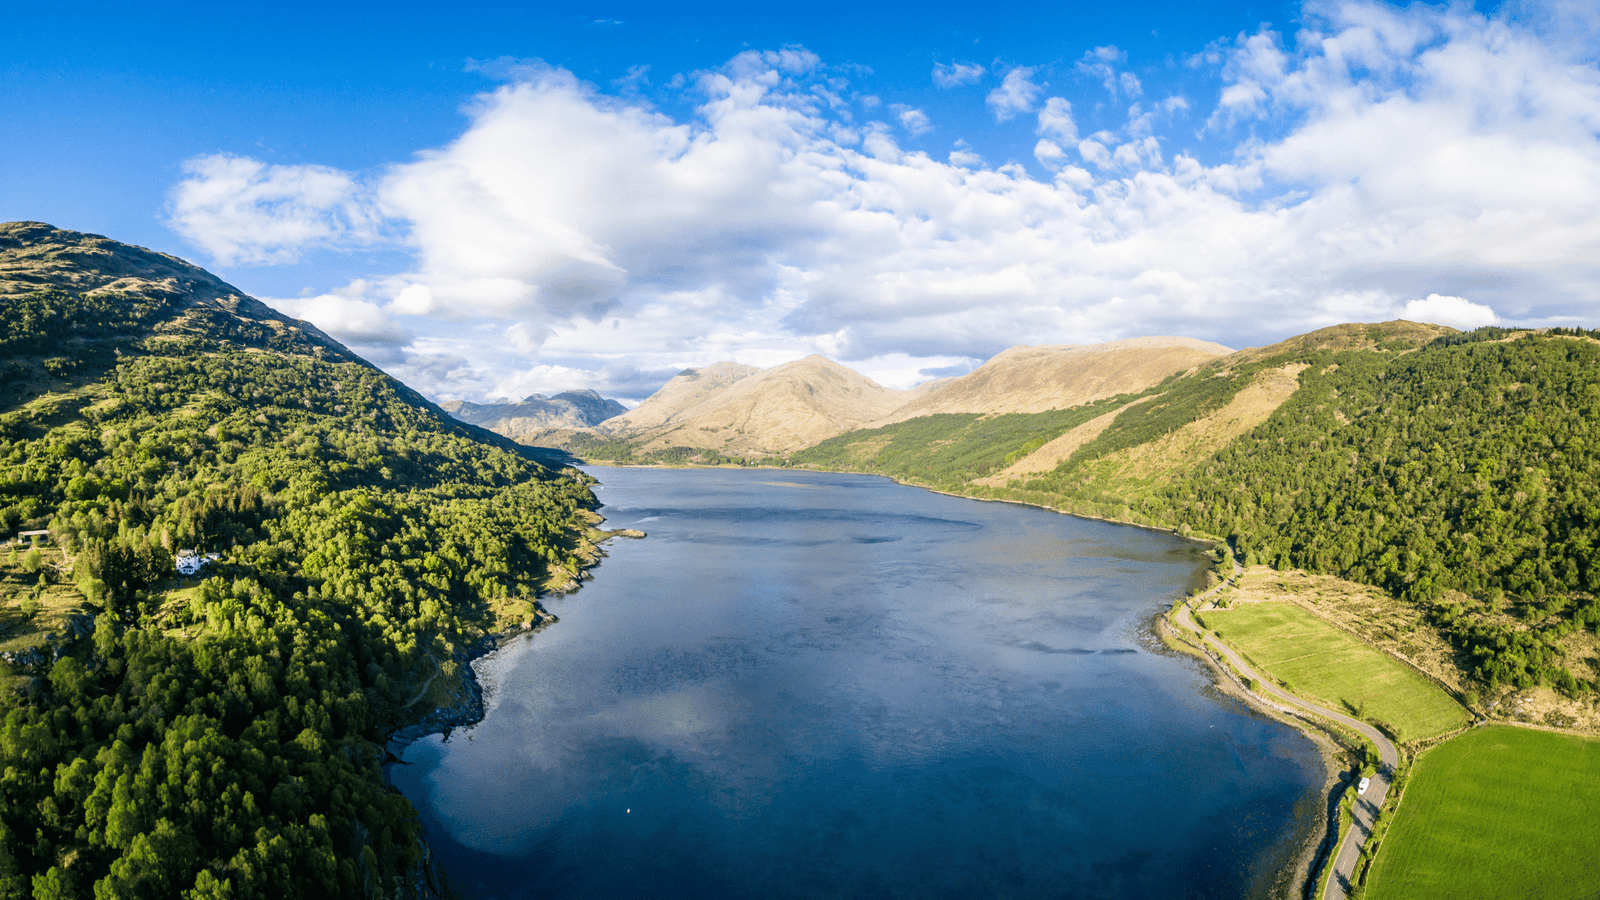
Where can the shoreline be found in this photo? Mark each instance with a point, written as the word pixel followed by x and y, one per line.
pixel 428 880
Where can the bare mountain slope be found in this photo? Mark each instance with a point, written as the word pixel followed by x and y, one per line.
pixel 1028 379
pixel 743 410
pixel 686 391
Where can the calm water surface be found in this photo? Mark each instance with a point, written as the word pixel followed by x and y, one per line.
pixel 811 685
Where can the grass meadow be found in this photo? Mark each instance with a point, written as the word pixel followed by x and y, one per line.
pixel 1322 662
pixel 1497 812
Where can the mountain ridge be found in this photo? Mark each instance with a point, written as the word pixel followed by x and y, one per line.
pixel 729 408
pixel 1030 379
pixel 35 257
pixel 537 413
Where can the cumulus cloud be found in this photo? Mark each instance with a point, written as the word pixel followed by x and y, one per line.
pixel 1049 153
pixel 1456 312
pixel 911 119
pixel 347 315
pixel 949 75
pixel 1055 121
pixel 1015 94
pixel 964 157
pixel 242 210
pixel 1415 152
pixel 1093 150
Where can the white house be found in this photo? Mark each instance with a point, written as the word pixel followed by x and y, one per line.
pixel 187 562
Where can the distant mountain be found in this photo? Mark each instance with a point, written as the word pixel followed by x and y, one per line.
pixel 537 413
pixel 1027 379
pixel 1133 442
pixel 740 410
pixel 735 411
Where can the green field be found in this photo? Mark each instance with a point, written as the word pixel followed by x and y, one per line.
pixel 1319 661
pixel 1497 812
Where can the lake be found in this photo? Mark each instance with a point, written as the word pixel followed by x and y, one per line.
pixel 812 685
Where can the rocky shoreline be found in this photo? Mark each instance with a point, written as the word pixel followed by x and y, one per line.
pixel 468 709
pixel 427 880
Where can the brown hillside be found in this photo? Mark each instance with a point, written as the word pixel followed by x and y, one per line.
pixel 776 410
pixel 1053 453
pixel 687 390
pixel 1252 407
pixel 1034 379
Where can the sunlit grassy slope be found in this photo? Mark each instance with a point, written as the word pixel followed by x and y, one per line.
pixel 1320 661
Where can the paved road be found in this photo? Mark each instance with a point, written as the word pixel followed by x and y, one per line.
pixel 1368 804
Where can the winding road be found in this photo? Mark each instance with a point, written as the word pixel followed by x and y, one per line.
pixel 1368 804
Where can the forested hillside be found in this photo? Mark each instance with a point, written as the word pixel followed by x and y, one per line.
pixel 1459 472
pixel 215 736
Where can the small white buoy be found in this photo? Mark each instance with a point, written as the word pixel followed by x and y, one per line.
pixel 630 811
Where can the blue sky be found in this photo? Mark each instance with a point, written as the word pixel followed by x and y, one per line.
pixel 497 200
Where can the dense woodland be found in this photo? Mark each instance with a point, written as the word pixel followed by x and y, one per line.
pixel 1464 476
pixel 1459 472
pixel 216 736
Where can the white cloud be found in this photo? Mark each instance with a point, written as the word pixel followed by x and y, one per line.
pixel 1144 152
pixel 1015 94
pixel 1049 153
pixel 637 77
pixel 414 300
pixel 964 157
pixel 1453 311
pixel 1055 121
pixel 1101 63
pixel 242 210
pixel 949 75
pixel 347 315
pixel 901 371
pixel 1095 152
pixel 911 119
pixel 1415 152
